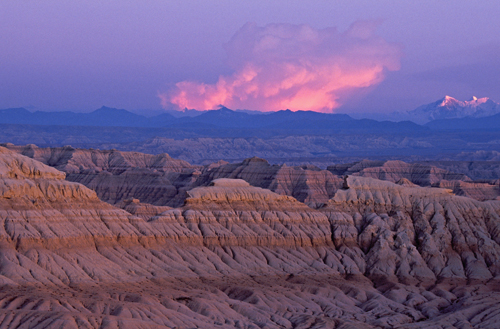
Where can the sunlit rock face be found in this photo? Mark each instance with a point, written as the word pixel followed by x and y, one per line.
pixel 377 255
pixel 476 190
pixel 420 233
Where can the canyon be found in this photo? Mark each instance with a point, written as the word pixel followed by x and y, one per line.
pixel 110 239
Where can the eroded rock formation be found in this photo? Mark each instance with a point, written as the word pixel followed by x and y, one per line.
pixel 476 190
pixel 308 184
pixel 393 171
pixel 436 174
pixel 377 255
pixel 118 176
pixel 162 181
pixel 419 233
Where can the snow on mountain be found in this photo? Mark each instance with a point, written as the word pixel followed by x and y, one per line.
pixel 451 108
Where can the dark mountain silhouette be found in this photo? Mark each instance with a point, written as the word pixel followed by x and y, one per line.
pixel 105 116
pixel 222 118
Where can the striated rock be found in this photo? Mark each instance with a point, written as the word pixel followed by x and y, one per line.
pixel 307 184
pixel 162 181
pixel 73 161
pixel 18 167
pixel 452 175
pixel 230 212
pixel 474 190
pixel 118 176
pixel 393 171
pixel 354 167
pixel 142 210
pixel 377 255
pixel 477 170
pixel 405 182
pixel 418 234
pixel 38 208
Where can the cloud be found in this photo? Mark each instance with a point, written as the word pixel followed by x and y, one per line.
pixel 296 67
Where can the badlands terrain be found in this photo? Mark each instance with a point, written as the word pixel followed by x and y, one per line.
pixel 110 239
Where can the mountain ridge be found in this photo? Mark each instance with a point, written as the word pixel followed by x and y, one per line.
pixel 451 108
pixel 222 118
pixel 431 115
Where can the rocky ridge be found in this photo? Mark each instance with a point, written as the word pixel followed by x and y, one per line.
pixel 160 180
pixel 445 174
pixel 163 181
pixel 417 173
pixel 118 176
pixel 378 254
pixel 308 184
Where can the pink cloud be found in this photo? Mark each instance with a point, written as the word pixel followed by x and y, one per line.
pixel 296 67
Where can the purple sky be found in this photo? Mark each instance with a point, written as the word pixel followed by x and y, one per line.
pixel 80 55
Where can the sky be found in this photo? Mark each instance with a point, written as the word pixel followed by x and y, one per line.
pixel 330 56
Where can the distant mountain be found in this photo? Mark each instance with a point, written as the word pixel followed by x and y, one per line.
pixel 103 117
pixel 286 122
pixel 109 117
pixel 468 123
pixel 16 115
pixel 451 108
pixel 184 113
pixel 223 117
pixel 394 116
pixel 304 121
pixel 23 116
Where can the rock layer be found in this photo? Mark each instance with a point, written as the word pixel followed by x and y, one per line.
pixel 429 174
pixel 416 233
pixel 118 176
pixel 308 184
pixel 476 190
pixel 377 255
pixel 393 171
pixel 162 181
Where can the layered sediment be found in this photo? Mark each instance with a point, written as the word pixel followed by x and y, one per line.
pixel 417 173
pixel 429 174
pixel 375 255
pixel 163 181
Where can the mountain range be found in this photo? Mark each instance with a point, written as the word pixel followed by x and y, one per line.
pixel 434 115
pixel 282 137
pixel 222 118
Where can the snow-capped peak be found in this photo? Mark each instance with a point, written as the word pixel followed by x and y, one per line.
pixel 477 101
pixel 451 108
pixel 448 100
